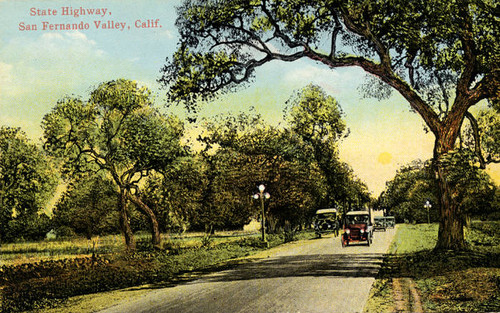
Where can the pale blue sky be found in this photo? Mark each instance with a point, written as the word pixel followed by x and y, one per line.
pixel 39 67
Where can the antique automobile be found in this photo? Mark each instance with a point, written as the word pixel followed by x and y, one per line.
pixel 326 221
pixel 390 221
pixel 379 223
pixel 357 228
pixel 383 222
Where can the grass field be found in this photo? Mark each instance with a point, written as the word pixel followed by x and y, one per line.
pixel 30 252
pixel 467 281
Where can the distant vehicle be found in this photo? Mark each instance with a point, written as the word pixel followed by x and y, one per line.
pixel 326 221
pixel 357 228
pixel 390 221
pixel 384 222
pixel 379 222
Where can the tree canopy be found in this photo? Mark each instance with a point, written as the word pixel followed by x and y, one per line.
pixel 413 185
pixel 421 48
pixel 27 181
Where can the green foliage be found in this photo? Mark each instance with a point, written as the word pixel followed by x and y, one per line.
pixel 424 44
pixel 87 207
pixel 206 241
pixel 298 163
pixel 489 124
pixel 27 181
pixel 176 195
pixel 250 153
pixel 442 56
pixel 406 194
pixel 414 184
pixel 116 130
pixel 316 119
pixel 473 188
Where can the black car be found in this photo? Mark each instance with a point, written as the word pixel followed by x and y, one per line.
pixel 326 221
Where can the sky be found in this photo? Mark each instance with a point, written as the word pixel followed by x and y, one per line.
pixel 40 64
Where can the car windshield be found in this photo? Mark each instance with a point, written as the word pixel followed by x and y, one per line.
pixel 357 219
pixel 326 216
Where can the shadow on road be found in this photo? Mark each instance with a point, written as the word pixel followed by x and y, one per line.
pixel 324 265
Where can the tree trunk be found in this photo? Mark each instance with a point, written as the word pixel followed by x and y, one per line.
pixel 451 221
pixel 155 229
pixel 125 223
pixel 451 224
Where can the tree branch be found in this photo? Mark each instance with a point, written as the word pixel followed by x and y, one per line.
pixel 467 40
pixel 336 30
pixel 477 138
pixel 430 117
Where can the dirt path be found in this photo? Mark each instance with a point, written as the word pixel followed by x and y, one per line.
pixel 406 296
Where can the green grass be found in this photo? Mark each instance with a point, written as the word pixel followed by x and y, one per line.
pixel 467 281
pixel 413 238
pixel 30 252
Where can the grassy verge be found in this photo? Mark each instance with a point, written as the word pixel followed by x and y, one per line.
pixel 30 252
pixel 49 283
pixel 466 281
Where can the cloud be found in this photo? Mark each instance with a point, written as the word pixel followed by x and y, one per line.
pixel 168 33
pixel 5 74
pixel 311 73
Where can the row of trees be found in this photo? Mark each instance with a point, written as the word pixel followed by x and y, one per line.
pixel 414 185
pixel 126 169
pixel 442 56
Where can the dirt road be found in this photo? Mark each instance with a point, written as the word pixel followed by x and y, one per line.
pixel 309 276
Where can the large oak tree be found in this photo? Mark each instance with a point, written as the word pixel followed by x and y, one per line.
pixel 442 56
pixel 119 133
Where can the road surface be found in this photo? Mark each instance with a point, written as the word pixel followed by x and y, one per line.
pixel 308 276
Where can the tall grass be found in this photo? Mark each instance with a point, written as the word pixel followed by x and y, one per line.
pixel 29 252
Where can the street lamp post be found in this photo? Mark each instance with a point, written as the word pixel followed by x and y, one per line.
pixel 262 195
pixel 428 205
